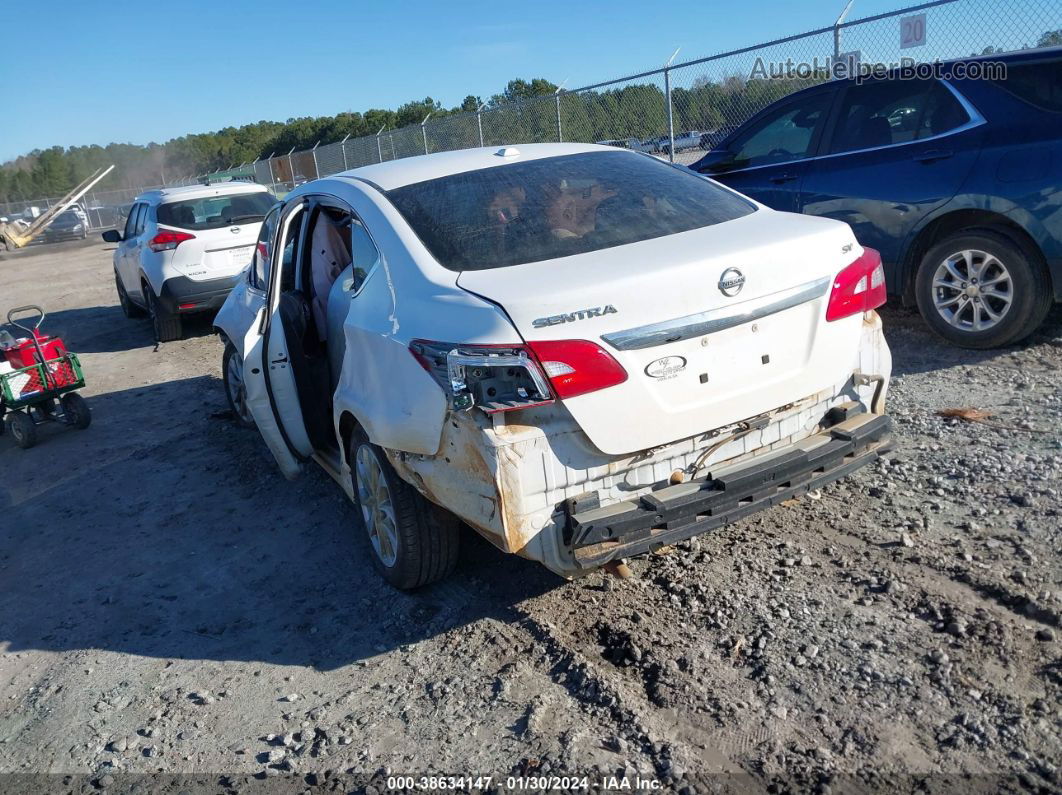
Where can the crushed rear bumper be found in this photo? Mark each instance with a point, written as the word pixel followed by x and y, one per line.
pixel 672 514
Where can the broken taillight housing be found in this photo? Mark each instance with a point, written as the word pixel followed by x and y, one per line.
pixel 493 377
pixel 858 288
pixel 166 240
pixel 508 377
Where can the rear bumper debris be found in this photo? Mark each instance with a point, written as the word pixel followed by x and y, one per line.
pixel 672 514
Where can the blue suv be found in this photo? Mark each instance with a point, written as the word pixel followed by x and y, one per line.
pixel 956 178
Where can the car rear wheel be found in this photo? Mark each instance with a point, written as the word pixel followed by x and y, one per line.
pixel 235 388
pixel 411 544
pixel 167 325
pixel 979 289
pixel 129 309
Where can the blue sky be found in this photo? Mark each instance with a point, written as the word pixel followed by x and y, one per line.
pixel 80 73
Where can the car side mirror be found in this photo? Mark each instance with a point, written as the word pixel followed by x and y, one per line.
pixel 716 162
pixel 112 236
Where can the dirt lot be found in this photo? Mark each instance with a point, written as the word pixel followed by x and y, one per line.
pixel 170 605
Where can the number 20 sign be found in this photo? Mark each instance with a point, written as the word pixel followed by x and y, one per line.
pixel 912 31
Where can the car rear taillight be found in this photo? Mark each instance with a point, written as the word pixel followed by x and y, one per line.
pixel 858 288
pixel 508 377
pixel 575 367
pixel 168 239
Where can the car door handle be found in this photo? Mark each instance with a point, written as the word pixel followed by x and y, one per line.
pixel 933 155
pixel 781 179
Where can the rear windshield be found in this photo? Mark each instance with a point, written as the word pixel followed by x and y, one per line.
pixel 213 212
pixel 1039 84
pixel 557 207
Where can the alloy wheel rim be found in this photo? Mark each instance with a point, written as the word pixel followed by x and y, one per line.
pixel 972 290
pixel 237 389
pixel 377 509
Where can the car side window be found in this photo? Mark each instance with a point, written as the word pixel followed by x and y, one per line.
pixel 365 255
pixel 1039 83
pixel 944 113
pixel 291 243
pixel 783 135
pixel 894 112
pixel 263 250
pixel 130 222
pixel 141 219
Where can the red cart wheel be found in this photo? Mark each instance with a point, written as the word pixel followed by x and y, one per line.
pixel 22 429
pixel 76 410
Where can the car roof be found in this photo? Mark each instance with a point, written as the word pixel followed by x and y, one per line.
pixel 163 195
pixel 409 170
pixel 1020 56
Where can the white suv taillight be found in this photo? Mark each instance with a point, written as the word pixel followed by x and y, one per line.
pixel 858 288
pixel 509 377
pixel 167 239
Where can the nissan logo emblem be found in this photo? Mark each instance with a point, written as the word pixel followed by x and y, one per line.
pixel 731 282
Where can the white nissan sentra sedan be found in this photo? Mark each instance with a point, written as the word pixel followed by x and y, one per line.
pixel 582 352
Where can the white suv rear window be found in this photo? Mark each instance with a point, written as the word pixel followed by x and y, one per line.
pixel 214 212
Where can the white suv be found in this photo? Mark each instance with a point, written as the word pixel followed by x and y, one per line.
pixel 183 249
pixel 582 352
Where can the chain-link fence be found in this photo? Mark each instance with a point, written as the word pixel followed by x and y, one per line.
pixel 682 109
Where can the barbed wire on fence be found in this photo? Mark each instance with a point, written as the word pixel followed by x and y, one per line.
pixel 677 110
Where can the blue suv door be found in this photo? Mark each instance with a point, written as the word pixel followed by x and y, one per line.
pixel 767 158
pixel 894 152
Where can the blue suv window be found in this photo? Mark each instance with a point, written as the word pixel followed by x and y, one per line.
pixel 1039 84
pixel 783 135
pixel 895 112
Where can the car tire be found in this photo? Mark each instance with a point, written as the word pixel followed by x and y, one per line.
pixel 76 410
pixel 412 544
pixel 22 428
pixel 235 388
pixel 167 325
pixel 129 309
pixel 949 289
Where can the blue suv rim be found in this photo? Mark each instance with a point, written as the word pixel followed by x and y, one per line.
pixel 973 290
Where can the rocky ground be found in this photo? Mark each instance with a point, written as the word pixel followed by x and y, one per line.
pixel 175 615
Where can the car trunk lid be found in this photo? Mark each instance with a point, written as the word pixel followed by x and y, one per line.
pixel 216 253
pixel 713 326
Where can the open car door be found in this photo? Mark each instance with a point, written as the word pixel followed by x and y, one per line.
pixel 272 397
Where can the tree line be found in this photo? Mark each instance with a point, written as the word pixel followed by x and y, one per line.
pixel 54 171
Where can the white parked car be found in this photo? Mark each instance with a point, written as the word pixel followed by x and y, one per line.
pixel 582 352
pixel 182 250
pixel 691 139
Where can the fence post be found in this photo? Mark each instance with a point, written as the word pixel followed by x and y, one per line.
pixel 560 132
pixel 670 112
pixel 343 149
pixel 479 121
pixel 837 33
pixel 316 168
pixel 424 131
pixel 291 168
pixel 379 149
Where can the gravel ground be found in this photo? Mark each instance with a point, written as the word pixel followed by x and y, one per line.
pixel 171 607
